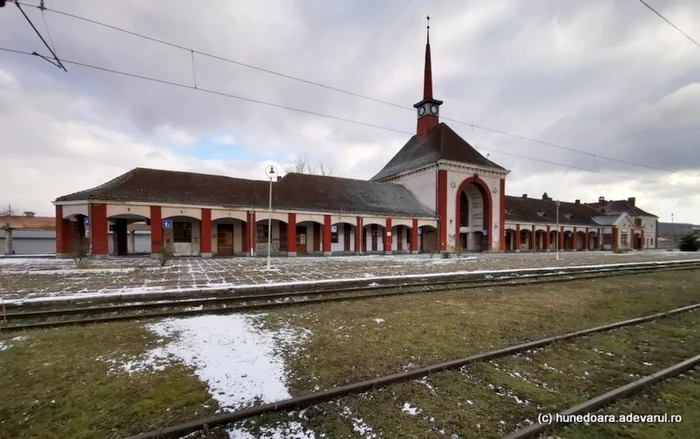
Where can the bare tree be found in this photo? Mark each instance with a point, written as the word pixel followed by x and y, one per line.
pixel 303 165
pixel 8 210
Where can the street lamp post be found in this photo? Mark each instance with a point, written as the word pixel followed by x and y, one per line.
pixel 556 244
pixel 673 234
pixel 271 172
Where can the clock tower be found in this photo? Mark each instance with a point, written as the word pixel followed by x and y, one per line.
pixel 428 108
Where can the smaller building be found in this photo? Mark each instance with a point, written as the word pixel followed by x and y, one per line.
pixel 28 234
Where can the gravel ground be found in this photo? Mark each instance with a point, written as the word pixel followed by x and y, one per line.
pixel 22 278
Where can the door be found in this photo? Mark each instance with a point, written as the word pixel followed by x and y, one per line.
pixel 224 240
pixel 301 240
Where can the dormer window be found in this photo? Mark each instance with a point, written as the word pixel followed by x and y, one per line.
pixel 510 212
pixel 568 215
pixel 542 214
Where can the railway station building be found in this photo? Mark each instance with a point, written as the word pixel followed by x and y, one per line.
pixel 438 193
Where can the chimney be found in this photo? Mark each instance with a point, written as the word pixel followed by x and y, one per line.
pixel 31 214
pixel 601 201
pixel 545 197
pixel 279 178
pixel 577 202
pixel 631 200
pixel 524 195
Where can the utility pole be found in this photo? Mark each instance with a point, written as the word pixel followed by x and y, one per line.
pixel 556 244
pixel 271 172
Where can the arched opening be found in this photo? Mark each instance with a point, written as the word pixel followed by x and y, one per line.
pixel 473 228
pixel 593 241
pixel 525 240
pixel 309 237
pixel 343 238
pixel 183 235
pixel 229 237
pixel 554 240
pixel 129 234
pixel 580 240
pixel 510 239
pixel 427 239
pixel 373 238
pixel 638 241
pixel 401 239
pixel 273 231
pixel 540 240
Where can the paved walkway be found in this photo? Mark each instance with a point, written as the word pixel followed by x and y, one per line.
pixel 30 278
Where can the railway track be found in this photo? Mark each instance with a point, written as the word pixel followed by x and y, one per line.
pixel 332 394
pixel 60 313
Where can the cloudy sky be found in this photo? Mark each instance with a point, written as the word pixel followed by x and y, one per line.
pixel 608 78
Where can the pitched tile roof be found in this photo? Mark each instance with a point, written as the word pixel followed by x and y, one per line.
pixel 442 143
pixel 28 222
pixel 293 192
pixel 620 206
pixel 520 209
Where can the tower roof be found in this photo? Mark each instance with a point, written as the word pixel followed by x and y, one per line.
pixel 441 144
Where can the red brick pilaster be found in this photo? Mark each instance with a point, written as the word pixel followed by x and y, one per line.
pixel 533 235
pixel 517 237
pixel 205 232
pixel 561 238
pixel 63 233
pixel 642 244
pixel 99 229
pixel 291 234
pixel 586 239
pixel 253 234
pixel 442 208
pixel 502 222
pixel 615 237
pixel 414 236
pixel 359 235
pixel 547 240
pixel 156 230
pixel 574 245
pixel 387 236
pixel 327 234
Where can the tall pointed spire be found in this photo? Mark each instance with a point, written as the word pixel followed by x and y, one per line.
pixel 428 75
pixel 429 107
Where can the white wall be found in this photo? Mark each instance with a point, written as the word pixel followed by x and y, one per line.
pixel 340 245
pixel 422 186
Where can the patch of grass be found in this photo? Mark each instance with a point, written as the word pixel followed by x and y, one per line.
pixel 678 396
pixel 488 400
pixel 359 340
pixel 61 383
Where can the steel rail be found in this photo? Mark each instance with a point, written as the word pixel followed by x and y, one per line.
pixel 300 402
pixel 158 303
pixel 598 402
pixel 515 281
pixel 347 285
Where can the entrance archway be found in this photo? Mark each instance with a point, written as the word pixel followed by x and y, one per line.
pixel 474 225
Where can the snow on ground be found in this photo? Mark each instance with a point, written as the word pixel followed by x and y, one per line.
pixel 7 344
pixel 407 408
pixel 358 425
pixel 238 359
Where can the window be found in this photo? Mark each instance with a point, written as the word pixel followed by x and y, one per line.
pixel 542 214
pixel 334 238
pixel 623 240
pixel 262 232
pixel 607 239
pixel 182 231
pixel 651 242
pixel 638 222
pixel 568 215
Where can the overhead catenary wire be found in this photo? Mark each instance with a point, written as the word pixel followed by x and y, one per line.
pixel 346 92
pixel 669 22
pixel 314 113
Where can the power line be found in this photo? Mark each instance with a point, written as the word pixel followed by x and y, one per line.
pixel 313 113
pixel 346 92
pixel 666 20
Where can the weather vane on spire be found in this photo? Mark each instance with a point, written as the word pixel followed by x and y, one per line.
pixel 428 17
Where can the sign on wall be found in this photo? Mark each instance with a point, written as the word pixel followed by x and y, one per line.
pixel 167 224
pixel 86 222
pixel 420 230
pixel 334 229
